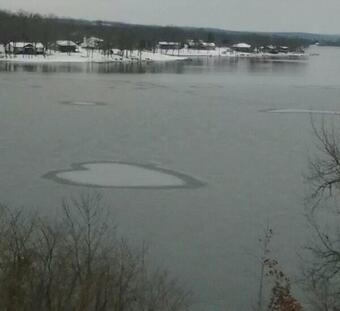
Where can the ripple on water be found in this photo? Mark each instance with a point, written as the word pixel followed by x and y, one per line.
pixel 122 175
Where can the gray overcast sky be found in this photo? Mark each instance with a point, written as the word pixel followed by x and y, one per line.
pixel 322 16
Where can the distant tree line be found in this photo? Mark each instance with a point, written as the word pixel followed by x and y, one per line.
pixel 24 26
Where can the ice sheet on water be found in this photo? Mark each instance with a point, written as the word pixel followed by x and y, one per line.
pixel 317 87
pixel 82 103
pixel 310 111
pixel 122 175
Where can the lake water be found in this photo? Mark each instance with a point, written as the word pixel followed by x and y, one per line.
pixel 241 128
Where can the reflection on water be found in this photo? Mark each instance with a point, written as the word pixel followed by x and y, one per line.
pixel 175 67
pixel 218 64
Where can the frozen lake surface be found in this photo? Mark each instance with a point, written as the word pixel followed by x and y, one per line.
pixel 203 118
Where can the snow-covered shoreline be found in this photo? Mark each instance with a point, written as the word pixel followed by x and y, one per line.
pixel 89 57
pixel 195 53
pixel 227 52
pixel 135 56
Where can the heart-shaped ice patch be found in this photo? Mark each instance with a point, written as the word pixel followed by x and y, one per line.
pixel 122 175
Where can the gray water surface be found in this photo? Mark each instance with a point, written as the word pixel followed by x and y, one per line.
pixel 208 120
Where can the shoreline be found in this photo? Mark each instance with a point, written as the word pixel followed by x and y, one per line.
pixel 160 56
pixel 96 57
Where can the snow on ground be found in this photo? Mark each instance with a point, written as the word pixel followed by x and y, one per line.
pixel 84 56
pixel 91 57
pixel 227 52
pixel 156 57
pixel 185 52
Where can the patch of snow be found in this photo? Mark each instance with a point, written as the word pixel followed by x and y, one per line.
pixel 193 53
pixel 84 56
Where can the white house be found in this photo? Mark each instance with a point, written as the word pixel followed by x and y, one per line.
pixel 92 43
pixel 242 47
pixel 28 48
pixel 207 45
pixel 164 45
pixel 200 45
pixel 19 48
pixel 66 46
pixel 39 48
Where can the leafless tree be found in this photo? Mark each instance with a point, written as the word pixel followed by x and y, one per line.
pixel 78 264
pixel 325 167
pixel 322 265
pixel 321 268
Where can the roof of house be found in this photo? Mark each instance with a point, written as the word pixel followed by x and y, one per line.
pixel 39 45
pixel 66 43
pixel 91 42
pixel 167 43
pixel 20 44
pixel 211 44
pixel 242 45
pixel 95 39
